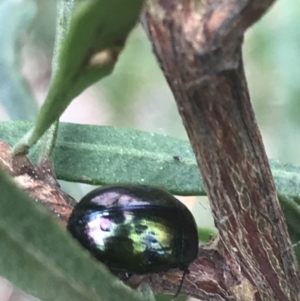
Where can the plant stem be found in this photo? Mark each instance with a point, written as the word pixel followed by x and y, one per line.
pixel 64 15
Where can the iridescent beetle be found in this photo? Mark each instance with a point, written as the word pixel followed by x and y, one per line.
pixel 135 229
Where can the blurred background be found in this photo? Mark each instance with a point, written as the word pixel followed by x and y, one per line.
pixel 136 95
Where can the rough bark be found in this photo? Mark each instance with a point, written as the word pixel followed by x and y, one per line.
pixel 198 45
pixel 39 181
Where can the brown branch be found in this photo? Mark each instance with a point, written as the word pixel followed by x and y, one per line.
pixel 198 44
pixel 40 182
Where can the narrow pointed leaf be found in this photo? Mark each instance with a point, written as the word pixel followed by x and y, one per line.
pixel 96 35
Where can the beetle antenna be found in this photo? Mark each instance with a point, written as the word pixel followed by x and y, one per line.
pixel 186 271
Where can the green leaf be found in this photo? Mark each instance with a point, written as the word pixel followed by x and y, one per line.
pixel 291 209
pixel 39 256
pixel 103 155
pixel 100 155
pixel 205 234
pixel 97 29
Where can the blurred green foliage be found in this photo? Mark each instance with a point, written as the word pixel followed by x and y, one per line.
pixel 272 58
pixel 15 97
